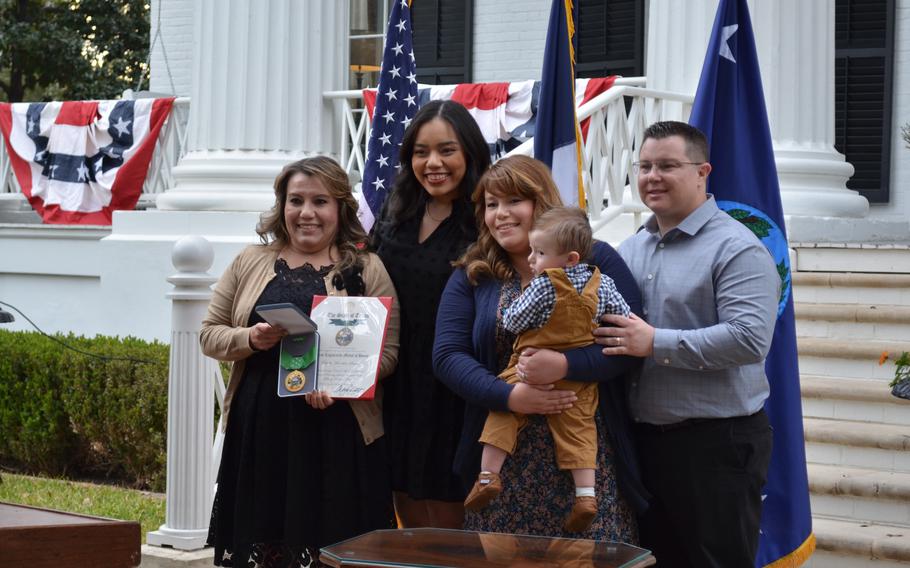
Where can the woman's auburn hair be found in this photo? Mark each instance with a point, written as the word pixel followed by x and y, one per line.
pixel 519 176
pixel 350 238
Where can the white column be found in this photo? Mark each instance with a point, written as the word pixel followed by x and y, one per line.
pixel 795 42
pixel 190 406
pixel 677 39
pixel 259 71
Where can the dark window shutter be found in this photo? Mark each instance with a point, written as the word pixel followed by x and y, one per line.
pixel 442 40
pixel 864 47
pixel 610 38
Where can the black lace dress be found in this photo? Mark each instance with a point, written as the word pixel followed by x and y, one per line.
pixel 292 478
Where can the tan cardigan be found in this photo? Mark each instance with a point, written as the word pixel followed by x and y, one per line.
pixel 226 337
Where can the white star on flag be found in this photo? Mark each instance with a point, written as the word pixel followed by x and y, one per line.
pixel 397 48
pixel 406 122
pixel 382 161
pixel 392 95
pixel 122 126
pixel 401 25
pixel 82 171
pixel 378 183
pixel 389 116
pixel 410 100
pixel 386 138
pixel 726 34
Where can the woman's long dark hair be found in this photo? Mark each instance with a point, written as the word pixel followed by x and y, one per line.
pixel 408 198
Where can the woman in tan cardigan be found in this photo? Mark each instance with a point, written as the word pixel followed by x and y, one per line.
pixel 296 473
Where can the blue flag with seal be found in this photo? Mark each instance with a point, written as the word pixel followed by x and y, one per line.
pixel 730 109
pixel 396 105
pixel 557 141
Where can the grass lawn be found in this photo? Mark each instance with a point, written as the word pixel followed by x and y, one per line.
pixel 86 498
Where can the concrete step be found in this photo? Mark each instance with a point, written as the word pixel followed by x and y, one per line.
pixel 845 321
pixel 851 493
pixel 847 443
pixel 857 358
pixel 891 257
pixel 861 400
pixel 842 544
pixel 852 288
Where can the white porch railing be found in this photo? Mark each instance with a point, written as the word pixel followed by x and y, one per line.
pixel 171 146
pixel 618 117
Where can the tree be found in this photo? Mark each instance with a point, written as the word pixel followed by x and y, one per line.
pixel 72 49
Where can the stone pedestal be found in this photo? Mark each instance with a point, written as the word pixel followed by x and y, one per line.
pixel 259 71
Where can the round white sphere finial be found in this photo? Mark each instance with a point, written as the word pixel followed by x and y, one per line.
pixel 193 253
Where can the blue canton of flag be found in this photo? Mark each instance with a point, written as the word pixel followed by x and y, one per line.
pixel 557 142
pixel 730 109
pixel 396 104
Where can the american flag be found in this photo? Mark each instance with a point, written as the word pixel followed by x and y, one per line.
pixel 396 104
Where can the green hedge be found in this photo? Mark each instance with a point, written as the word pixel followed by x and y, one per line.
pixel 63 413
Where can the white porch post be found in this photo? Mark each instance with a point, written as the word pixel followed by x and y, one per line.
pixel 796 57
pixel 259 71
pixel 190 408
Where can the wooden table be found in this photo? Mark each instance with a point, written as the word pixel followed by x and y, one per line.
pixel 40 538
pixel 443 548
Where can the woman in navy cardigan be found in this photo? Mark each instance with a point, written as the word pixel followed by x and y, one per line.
pixel 471 348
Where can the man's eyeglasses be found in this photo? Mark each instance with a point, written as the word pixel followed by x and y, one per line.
pixel 668 167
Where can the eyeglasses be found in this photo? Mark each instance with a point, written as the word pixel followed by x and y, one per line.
pixel 668 167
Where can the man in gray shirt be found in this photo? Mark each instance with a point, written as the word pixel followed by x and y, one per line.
pixel 710 293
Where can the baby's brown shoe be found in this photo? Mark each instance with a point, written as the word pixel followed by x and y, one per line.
pixel 487 487
pixel 582 514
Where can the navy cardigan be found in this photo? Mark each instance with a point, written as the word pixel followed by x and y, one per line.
pixel 464 358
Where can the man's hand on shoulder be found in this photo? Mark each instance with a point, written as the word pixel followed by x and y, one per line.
pixel 628 336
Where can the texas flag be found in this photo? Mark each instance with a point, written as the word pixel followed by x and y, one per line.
pixel 78 162
pixel 557 142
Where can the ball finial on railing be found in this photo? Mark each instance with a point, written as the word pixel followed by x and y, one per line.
pixel 193 253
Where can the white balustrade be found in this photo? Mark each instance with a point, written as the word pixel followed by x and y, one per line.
pixel 618 119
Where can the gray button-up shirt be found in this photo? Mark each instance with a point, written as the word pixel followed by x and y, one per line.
pixel 710 289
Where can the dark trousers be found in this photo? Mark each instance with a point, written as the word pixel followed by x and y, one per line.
pixel 706 479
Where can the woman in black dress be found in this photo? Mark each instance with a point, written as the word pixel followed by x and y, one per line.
pixel 296 473
pixel 427 222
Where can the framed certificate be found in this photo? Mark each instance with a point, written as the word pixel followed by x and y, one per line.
pixel 352 332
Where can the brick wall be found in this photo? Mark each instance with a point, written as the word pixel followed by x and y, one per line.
pixel 509 37
pixel 177 33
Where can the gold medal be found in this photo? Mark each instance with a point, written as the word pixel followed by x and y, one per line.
pixel 295 381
